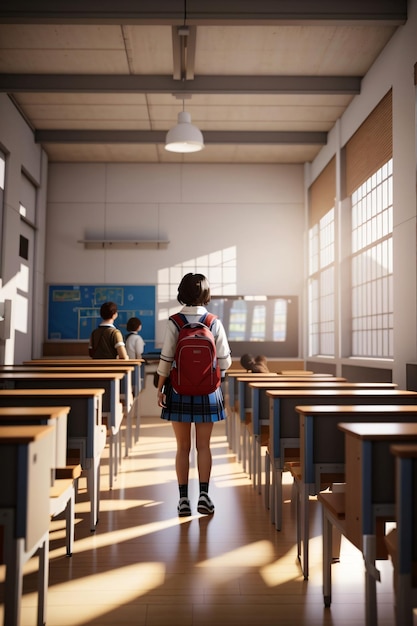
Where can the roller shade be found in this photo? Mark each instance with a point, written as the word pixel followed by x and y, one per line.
pixel 322 193
pixel 370 147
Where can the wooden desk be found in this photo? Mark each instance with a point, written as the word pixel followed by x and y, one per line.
pixel 240 398
pixel 137 381
pixel 284 428
pixel 126 387
pixel 85 431
pixel 405 567
pixel 42 416
pixel 232 423
pixel 369 497
pixel 112 410
pixel 322 452
pixel 62 492
pixel 137 365
pixel 244 411
pixel 235 382
pixel 256 405
pixel 25 453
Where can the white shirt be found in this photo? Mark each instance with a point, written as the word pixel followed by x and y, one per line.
pixel 135 346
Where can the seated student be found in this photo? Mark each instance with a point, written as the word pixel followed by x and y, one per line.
pixel 261 365
pixel 247 362
pixel 106 341
pixel 256 365
pixel 134 342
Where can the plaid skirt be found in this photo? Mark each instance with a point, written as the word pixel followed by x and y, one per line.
pixel 196 409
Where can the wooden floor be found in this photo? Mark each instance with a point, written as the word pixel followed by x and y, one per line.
pixel 145 567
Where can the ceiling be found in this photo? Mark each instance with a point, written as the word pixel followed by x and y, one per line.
pixel 265 80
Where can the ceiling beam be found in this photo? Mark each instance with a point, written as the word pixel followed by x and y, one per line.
pixel 202 12
pixel 153 136
pixel 100 83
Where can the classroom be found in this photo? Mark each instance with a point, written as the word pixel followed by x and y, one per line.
pixel 301 210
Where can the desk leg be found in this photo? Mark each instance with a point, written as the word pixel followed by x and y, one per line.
pixel 128 433
pixel 257 463
pixel 230 430
pixel 113 457
pixel 249 456
pixel 15 557
pixel 43 580
pixel 404 604
pixel 371 575
pixel 69 522
pixel 13 552
pixel 295 499
pixel 97 474
pixel 93 487
pixel 137 412
pixel 272 493
pixel 267 494
pixel 278 498
pixel 243 447
pixel 253 458
pixel 304 526
pixel 327 559
pixel 238 437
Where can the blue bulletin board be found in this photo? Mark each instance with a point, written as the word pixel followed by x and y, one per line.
pixel 74 310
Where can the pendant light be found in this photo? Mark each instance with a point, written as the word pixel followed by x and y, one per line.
pixel 184 137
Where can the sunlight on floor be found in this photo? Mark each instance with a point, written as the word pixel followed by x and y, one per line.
pixel 252 555
pixel 273 575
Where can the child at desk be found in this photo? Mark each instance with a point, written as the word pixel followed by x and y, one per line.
pixel 134 342
pixel 256 365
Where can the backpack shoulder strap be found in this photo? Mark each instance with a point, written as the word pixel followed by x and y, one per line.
pixel 179 320
pixel 208 319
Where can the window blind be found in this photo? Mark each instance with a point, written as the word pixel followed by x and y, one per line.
pixel 322 193
pixel 370 147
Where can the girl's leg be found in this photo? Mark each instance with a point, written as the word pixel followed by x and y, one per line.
pixel 203 435
pixel 182 432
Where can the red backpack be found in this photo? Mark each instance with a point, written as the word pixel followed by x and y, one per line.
pixel 195 371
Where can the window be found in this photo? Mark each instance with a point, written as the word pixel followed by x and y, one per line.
pixel 321 288
pixel 219 267
pixel 372 266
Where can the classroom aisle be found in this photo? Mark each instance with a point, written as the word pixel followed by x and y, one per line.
pixel 145 567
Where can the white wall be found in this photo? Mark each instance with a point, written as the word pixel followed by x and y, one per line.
pixel 200 209
pixel 22 154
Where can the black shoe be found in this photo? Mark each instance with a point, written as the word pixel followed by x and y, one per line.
pixel 205 505
pixel 184 507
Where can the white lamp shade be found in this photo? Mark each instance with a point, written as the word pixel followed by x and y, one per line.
pixel 184 137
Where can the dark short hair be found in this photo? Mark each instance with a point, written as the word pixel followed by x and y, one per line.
pixel 107 310
pixel 133 324
pixel 194 289
pixel 247 361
